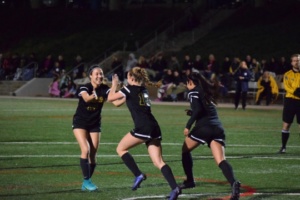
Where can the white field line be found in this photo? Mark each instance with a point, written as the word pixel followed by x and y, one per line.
pixel 113 143
pixel 186 196
pixel 144 155
pixel 53 110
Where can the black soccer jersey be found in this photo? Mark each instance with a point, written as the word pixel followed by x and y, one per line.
pixel 202 112
pixel 90 112
pixel 139 105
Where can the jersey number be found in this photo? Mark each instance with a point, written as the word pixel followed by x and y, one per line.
pixel 144 99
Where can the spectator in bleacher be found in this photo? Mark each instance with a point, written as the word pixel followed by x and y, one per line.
pixel 82 81
pixel 248 61
pixel 178 85
pixel 174 63
pixel 57 70
pixel 235 65
pixel 16 61
pixel 282 67
pixel 131 63
pixel 54 90
pixel 79 64
pixel 143 63
pixel 187 64
pixel 32 58
pixel 212 65
pixel 46 67
pixel 208 73
pixel 242 77
pixel 291 104
pixel 64 81
pixel 255 65
pixel 70 90
pixel 271 66
pixel 266 88
pixel 198 64
pixel 7 66
pixel 61 60
pixel 159 65
pixel 225 75
pixel 117 67
pixel 263 65
pixel 167 82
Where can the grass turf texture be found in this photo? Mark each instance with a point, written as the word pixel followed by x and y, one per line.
pixel 39 156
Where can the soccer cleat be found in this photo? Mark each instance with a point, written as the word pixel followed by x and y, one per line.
pixel 175 193
pixel 282 150
pixel 187 184
pixel 88 185
pixel 138 180
pixel 235 195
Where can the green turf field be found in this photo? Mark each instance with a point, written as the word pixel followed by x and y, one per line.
pixel 39 157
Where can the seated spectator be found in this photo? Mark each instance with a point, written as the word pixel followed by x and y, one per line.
pixel 198 65
pixel 267 88
pixel 57 70
pixel 45 69
pixel 178 85
pixel 167 82
pixel 70 90
pixel 142 63
pixel 159 65
pixel 82 81
pixel 54 90
pixel 64 82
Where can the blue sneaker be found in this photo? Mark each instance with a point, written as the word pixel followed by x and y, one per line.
pixel 175 193
pixel 88 185
pixel 138 180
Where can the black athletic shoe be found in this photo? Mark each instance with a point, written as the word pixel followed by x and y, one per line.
pixel 138 180
pixel 187 184
pixel 282 150
pixel 175 193
pixel 235 194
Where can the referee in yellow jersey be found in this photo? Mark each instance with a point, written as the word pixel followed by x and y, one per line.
pixel 291 107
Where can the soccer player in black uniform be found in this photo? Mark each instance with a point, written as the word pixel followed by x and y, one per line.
pixel 146 129
pixel 87 123
pixel 208 129
pixel 291 106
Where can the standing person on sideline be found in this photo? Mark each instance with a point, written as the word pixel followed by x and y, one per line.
pixel 291 106
pixel 208 129
pixel 87 123
pixel 146 129
pixel 242 77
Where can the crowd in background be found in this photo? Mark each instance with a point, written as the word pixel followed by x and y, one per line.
pixel 169 69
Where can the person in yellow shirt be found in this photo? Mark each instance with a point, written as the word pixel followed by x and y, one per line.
pixel 291 107
pixel 267 87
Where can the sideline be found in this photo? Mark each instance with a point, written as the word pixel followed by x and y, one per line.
pixel 181 103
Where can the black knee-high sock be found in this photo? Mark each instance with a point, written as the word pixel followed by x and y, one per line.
pixel 168 174
pixel 92 169
pixel 85 167
pixel 187 163
pixel 227 171
pixel 284 137
pixel 131 164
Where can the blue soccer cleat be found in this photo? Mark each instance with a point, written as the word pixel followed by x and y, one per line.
pixel 88 185
pixel 138 180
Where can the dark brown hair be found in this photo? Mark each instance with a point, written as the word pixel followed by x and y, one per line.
pixel 209 88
